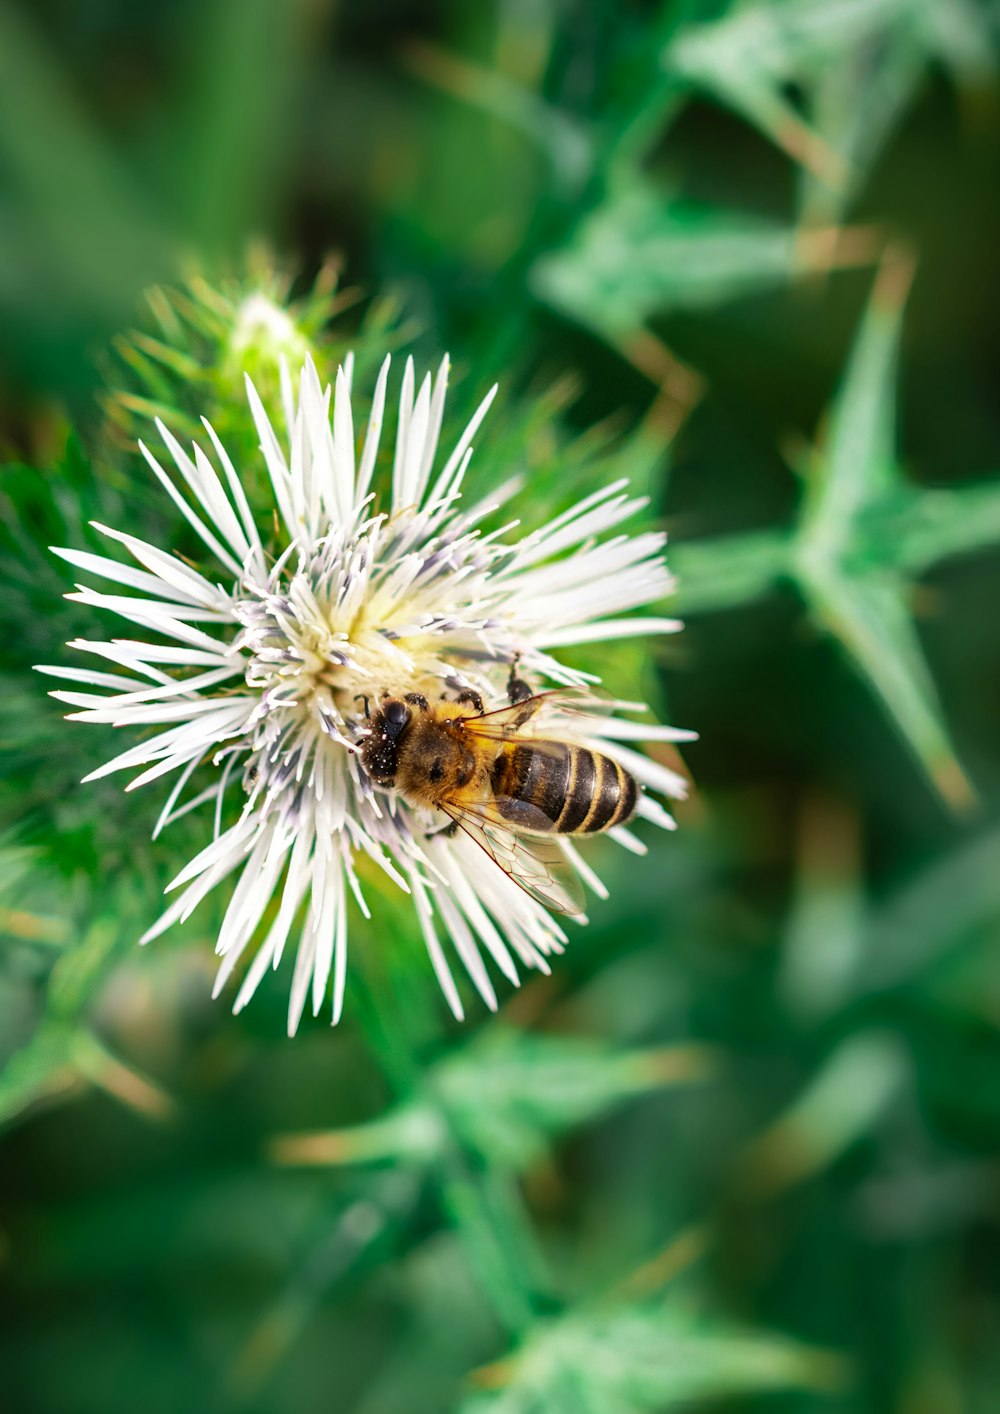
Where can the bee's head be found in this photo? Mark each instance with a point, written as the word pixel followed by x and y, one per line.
pixel 392 717
pixel 379 750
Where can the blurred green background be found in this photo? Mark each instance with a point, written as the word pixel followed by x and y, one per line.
pixel 742 1149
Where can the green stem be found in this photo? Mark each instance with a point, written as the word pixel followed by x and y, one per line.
pixel 483 1203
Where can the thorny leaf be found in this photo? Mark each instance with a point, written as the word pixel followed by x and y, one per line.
pixel 645 251
pixel 503 1095
pixel 861 531
pixel 750 57
pixel 632 1358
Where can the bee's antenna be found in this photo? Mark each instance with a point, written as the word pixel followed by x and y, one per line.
pixel 361 697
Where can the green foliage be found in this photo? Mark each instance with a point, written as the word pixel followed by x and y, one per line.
pixel 860 533
pixel 502 1097
pixel 739 1151
pixel 634 1358
pixel 855 63
pixel 643 252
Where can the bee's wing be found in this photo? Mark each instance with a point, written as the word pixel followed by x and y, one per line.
pixel 536 864
pixel 501 723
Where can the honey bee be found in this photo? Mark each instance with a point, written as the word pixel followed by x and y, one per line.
pixel 509 791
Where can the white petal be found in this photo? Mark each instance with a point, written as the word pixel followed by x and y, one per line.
pixel 110 569
pixel 435 420
pixel 343 446
pixel 239 496
pixel 650 773
pixel 465 946
pixel 443 482
pixel 274 458
pixel 402 438
pixel 637 731
pixel 441 969
pixel 651 810
pixel 194 520
pixel 596 632
pixel 583 869
pixel 185 582
pixel 373 434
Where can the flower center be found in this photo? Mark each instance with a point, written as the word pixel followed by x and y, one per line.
pixel 299 658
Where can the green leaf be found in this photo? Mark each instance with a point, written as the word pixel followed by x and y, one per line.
pixel 503 1096
pixel 90 930
pixel 510 1091
pixel 565 140
pixel 825 930
pixel 848 1096
pixel 857 462
pixel 727 572
pixel 847 583
pixel 42 1069
pixel 859 531
pixel 855 104
pixel 932 914
pixel 870 616
pixel 644 252
pixel 856 63
pixel 928 526
pixel 629 1359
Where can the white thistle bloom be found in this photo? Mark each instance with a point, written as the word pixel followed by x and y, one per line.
pixel 259 675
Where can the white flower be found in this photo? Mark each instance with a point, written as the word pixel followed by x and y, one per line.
pixel 260 674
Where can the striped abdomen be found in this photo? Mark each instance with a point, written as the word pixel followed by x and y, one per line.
pixel 555 786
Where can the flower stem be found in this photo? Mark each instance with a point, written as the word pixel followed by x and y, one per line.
pixel 482 1200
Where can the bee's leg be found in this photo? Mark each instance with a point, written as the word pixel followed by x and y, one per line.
pixel 446 831
pixel 416 699
pixel 469 695
pixel 517 689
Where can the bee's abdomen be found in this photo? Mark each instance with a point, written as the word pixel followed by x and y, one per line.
pixel 576 789
pixel 599 794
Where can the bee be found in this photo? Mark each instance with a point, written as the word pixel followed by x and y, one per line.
pixel 511 791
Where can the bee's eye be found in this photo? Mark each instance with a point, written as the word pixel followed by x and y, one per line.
pixel 395 715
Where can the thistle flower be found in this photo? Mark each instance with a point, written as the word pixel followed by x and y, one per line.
pixel 256 668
